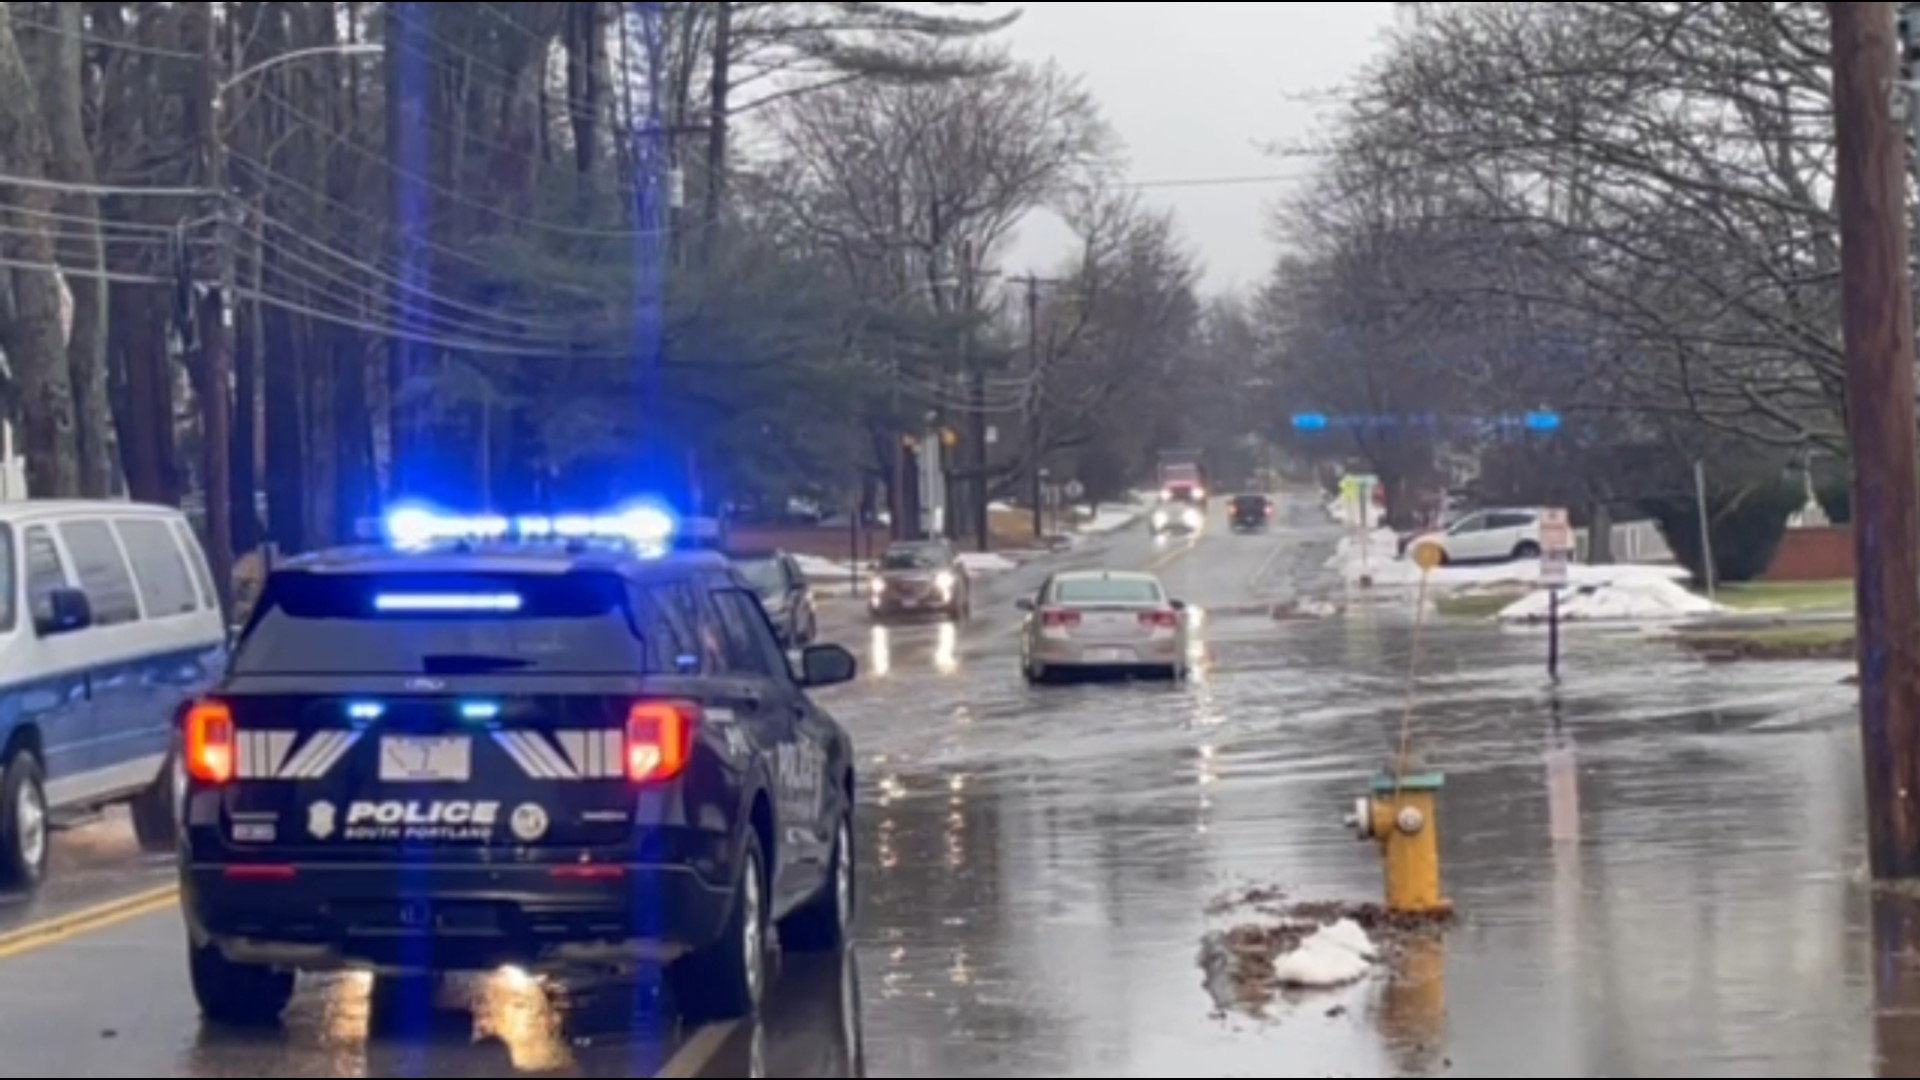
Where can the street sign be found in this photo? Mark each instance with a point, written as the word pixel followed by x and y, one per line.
pixel 1556 531
pixel 1428 557
pixel 1555 565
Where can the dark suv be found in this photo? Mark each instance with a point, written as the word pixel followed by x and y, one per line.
pixel 1250 513
pixel 920 577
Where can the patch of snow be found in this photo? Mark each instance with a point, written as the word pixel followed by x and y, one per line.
pixel 1333 956
pixel 819 569
pixel 987 563
pixel 1111 518
pixel 1625 597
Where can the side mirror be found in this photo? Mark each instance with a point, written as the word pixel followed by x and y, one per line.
pixel 68 610
pixel 1025 603
pixel 1177 605
pixel 827 665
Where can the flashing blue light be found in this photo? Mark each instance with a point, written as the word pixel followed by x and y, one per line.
pixel 479 710
pixel 447 602
pixel 1312 421
pixel 1543 421
pixel 647 527
pixel 366 710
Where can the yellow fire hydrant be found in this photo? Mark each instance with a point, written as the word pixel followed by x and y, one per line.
pixel 1399 815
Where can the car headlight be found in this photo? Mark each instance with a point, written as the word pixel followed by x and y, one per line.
pixel 1193 519
pixel 944 581
pixel 877 586
pixel 1159 517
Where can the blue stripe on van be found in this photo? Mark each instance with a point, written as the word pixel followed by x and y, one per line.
pixel 94 719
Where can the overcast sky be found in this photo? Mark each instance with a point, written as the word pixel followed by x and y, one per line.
pixel 1197 91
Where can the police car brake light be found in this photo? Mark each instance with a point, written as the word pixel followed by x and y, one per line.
pixel 210 742
pixel 447 602
pixel 659 739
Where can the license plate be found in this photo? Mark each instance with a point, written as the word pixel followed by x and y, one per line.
pixel 1109 656
pixel 436 759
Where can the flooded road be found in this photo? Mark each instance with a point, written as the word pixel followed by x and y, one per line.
pixel 1655 862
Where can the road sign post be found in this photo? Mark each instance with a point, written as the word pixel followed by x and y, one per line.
pixel 1556 558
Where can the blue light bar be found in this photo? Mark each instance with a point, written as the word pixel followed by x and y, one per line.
pixel 479 710
pixel 1543 421
pixel 447 602
pixel 366 710
pixel 1309 422
pixel 647 527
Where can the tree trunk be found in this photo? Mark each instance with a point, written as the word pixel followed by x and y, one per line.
pixel 149 454
pixel 34 340
pixel 584 90
pixel 63 92
pixel 719 107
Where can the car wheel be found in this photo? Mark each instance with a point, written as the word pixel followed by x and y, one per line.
pixel 1526 549
pixel 237 995
pixel 727 980
pixel 825 924
pixel 26 834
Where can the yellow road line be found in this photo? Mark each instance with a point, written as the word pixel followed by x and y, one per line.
pixel 697 1052
pixel 88 920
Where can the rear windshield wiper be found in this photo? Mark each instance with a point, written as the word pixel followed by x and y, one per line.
pixel 470 663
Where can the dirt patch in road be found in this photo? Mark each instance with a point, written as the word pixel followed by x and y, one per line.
pixel 1242 962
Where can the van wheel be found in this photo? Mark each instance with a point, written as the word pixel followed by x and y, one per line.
pixel 26 845
pixel 237 995
pixel 156 812
pixel 727 980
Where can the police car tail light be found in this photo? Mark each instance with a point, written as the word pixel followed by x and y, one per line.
pixel 659 739
pixel 210 742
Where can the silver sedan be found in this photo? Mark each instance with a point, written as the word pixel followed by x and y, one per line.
pixel 1098 621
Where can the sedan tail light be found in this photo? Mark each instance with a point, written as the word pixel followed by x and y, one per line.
pixel 1057 617
pixel 1158 619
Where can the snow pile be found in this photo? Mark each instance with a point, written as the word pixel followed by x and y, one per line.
pixel 1336 955
pixel 818 569
pixel 982 563
pixel 1626 597
pixel 1348 513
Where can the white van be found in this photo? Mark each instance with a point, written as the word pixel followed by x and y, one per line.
pixel 109 623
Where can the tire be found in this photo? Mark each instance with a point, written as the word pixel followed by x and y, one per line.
pixel 1526 549
pixel 26 836
pixel 156 813
pixel 237 995
pixel 727 980
pixel 825 924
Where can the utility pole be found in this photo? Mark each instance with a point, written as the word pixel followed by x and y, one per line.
pixel 1035 463
pixel 216 318
pixel 1871 190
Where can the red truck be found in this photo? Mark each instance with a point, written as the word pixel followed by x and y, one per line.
pixel 1183 478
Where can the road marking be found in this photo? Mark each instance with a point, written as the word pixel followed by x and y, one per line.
pixel 1266 568
pixel 697 1052
pixel 1168 558
pixel 75 924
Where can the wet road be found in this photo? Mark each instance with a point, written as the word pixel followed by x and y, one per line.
pixel 1657 866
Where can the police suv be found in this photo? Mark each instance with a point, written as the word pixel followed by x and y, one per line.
pixel 520 743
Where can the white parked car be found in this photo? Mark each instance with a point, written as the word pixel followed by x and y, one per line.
pixel 1496 535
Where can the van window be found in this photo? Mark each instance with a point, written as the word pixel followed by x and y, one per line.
pixel 166 586
pixel 197 559
pixel 103 572
pixel 46 571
